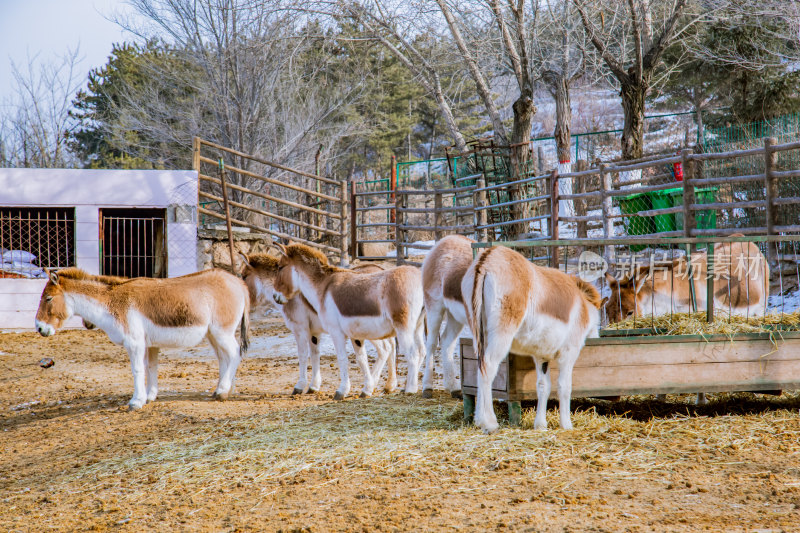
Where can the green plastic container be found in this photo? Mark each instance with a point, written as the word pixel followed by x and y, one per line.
pixel 705 219
pixel 636 225
pixel 663 200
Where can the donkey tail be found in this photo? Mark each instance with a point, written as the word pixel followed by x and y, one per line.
pixel 476 318
pixel 244 326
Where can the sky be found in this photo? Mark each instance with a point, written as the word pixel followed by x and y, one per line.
pixel 50 27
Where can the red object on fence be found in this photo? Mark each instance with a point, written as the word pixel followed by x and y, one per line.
pixel 677 169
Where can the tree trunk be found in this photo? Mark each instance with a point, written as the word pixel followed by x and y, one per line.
pixel 633 94
pixel 563 120
pixel 520 159
pixel 698 117
pixel 560 89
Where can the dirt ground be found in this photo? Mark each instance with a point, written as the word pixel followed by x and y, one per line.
pixel 73 457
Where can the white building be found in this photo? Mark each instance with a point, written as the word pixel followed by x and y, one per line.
pixel 116 222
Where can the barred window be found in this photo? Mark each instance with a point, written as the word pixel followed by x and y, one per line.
pixel 35 238
pixel 133 242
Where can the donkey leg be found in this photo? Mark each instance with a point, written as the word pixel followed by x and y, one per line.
pixel 316 376
pixel 701 399
pixel 566 362
pixel 391 374
pixel 363 364
pixel 136 353
pixel 407 346
pixel 382 348
pixel 303 340
pixel 485 417
pixel 340 344
pixel 449 339
pixel 543 388
pixel 434 315
pixel 152 373
pixel 228 351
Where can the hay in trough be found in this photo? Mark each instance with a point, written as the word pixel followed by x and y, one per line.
pixel 696 323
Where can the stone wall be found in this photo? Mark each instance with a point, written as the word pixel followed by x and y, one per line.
pixel 213 250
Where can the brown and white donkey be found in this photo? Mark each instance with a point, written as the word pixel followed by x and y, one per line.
pixel 145 314
pixel 359 306
pixel 515 306
pixel 259 273
pixel 442 272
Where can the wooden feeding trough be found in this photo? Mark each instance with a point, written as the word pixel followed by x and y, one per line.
pixel 660 364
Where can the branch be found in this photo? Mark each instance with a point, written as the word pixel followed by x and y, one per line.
pixel 614 65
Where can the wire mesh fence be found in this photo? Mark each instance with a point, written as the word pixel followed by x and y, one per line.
pixel 679 287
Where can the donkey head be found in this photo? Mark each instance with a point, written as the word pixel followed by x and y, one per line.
pixel 624 300
pixel 53 307
pixel 284 285
pixel 298 260
pixel 259 272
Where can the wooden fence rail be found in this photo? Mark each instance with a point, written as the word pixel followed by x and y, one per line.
pixel 316 210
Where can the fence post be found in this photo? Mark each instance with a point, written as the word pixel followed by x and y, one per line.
pixel 437 216
pixel 227 213
pixel 554 216
pixel 393 187
pixel 689 221
pixel 710 283
pixel 196 154
pixel 771 190
pixel 479 200
pixel 343 228
pixel 606 206
pixel 580 203
pixel 353 222
pixel 398 232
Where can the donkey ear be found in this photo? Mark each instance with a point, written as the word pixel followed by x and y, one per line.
pixel 611 279
pixel 245 260
pixel 281 248
pixel 53 275
pixel 604 301
pixel 641 281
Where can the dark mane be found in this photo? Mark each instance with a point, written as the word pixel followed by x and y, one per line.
pixel 77 274
pixel 263 261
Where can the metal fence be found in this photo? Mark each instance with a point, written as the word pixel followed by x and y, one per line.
pixel 35 238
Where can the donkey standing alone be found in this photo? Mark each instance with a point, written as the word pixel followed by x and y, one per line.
pixel 145 314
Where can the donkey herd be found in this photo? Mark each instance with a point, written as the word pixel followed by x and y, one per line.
pixel 509 304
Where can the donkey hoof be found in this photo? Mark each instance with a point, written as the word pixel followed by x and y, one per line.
pixel 312 391
pixel 456 394
pixel 134 406
pixel 338 396
pixel 427 393
pixel 220 396
pixel 296 391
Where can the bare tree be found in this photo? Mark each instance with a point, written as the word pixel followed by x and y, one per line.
pixel 631 38
pixel 257 79
pixel 398 30
pixel 35 122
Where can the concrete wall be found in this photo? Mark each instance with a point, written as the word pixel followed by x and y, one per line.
pixel 88 191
